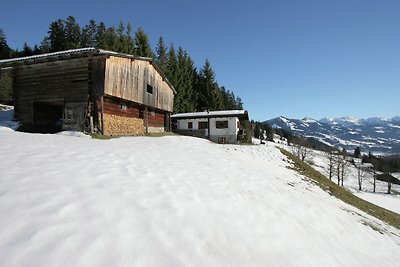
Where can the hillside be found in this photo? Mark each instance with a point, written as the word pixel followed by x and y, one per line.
pixel 69 200
pixel 381 136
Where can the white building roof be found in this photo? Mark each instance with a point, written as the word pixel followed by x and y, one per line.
pixel 213 114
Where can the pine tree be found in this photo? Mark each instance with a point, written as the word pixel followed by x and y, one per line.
pixel 239 103
pixel 172 74
pixel 26 50
pixel 161 57
pixel 111 40
pixel 209 92
pixel 72 33
pixel 5 50
pixel 185 81
pixel 121 38
pixel 57 36
pixel 45 45
pixel 89 34
pixel 100 36
pixel 6 82
pixel 129 42
pixel 142 45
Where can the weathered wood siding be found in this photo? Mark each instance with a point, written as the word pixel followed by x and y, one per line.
pixel 128 109
pixel 65 80
pixel 129 79
pixel 156 119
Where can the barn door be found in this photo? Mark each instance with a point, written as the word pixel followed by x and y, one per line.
pixel 47 116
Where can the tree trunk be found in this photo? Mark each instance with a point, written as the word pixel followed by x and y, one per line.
pixel 374 180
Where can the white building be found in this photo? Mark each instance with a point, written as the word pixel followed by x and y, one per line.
pixel 218 126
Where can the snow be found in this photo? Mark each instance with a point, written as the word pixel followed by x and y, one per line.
pixel 6 117
pixel 69 200
pixel 380 198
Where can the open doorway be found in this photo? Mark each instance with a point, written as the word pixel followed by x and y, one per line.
pixel 47 116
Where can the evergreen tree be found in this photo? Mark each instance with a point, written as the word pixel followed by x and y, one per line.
pixel 6 91
pixel 57 36
pixel 209 92
pixel 72 33
pixel 239 103
pixel 45 45
pixel 26 50
pixel 111 40
pixel 89 34
pixel 184 84
pixel 172 74
pixel 161 56
pixel 5 50
pixel 121 37
pixel 142 45
pixel 100 36
pixel 36 50
pixel 129 43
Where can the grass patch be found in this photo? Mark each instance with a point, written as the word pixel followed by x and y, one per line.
pixel 100 136
pixel 161 134
pixel 341 193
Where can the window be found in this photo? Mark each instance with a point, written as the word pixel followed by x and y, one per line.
pixel 221 124
pixel 123 106
pixel 149 89
pixel 203 125
pixel 190 125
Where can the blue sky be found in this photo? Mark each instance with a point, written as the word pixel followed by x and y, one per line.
pixel 314 58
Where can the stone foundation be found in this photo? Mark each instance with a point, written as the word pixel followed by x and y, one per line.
pixel 120 125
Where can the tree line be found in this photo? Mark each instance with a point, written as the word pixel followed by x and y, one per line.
pixel 197 89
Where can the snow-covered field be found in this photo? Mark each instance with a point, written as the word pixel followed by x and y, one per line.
pixel 69 200
pixel 380 197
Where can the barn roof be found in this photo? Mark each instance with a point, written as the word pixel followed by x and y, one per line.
pixel 241 114
pixel 76 53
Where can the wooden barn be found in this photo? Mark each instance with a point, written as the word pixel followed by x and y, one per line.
pixel 90 90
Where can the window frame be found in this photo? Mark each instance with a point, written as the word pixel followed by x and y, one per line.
pixel 222 124
pixel 203 123
pixel 150 89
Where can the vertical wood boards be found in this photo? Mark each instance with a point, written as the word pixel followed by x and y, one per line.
pixel 128 79
pixel 63 79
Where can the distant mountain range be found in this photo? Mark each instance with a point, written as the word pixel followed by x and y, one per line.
pixel 380 136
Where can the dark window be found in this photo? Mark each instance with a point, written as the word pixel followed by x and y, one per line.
pixel 149 89
pixel 123 106
pixel 221 124
pixel 190 125
pixel 203 125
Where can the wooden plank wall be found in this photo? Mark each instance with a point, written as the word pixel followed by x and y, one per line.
pixel 113 107
pixel 63 79
pixel 156 119
pixel 128 79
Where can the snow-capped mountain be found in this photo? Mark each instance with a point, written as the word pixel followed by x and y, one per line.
pixel 377 135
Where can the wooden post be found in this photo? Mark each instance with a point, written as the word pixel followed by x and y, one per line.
pixel 102 114
pixel 91 124
pixel 209 128
pixel 146 120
